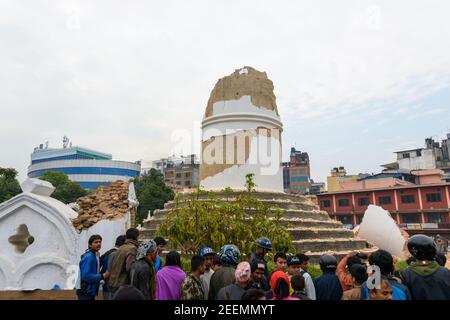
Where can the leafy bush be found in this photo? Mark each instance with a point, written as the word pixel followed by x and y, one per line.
pixel 152 193
pixel 195 223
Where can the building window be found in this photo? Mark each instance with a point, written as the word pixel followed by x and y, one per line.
pixel 178 175
pixel 304 179
pixel 436 217
pixel 302 171
pixel 178 183
pixel 325 203
pixel 363 201
pixel 344 202
pixel 385 200
pixel 419 153
pixel 408 199
pixel 434 197
pixel 411 218
pixel 187 183
pixel 405 155
pixel 187 174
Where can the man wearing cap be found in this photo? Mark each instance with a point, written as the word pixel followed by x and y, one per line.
pixel 258 281
pixel 208 254
pixel 263 246
pixel 293 266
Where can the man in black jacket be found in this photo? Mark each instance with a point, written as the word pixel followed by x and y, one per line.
pixel 143 273
pixel 425 278
pixel 328 286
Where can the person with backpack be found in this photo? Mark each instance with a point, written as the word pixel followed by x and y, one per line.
pixel 90 275
pixel 385 262
pixel 123 261
pixel 106 262
pixel 425 278
pixel 143 274
pixel 309 284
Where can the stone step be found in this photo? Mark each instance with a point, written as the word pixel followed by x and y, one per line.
pixel 260 195
pixel 288 222
pixel 287 213
pixel 340 244
pixel 305 214
pixel 319 233
pixel 147 234
pixel 273 203
pixel 310 223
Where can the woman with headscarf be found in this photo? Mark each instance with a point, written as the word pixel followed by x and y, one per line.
pixel 279 282
pixel 143 275
pixel 170 278
pixel 242 278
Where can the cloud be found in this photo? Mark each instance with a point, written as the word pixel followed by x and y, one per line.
pixel 121 77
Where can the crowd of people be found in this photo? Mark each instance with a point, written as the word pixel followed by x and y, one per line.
pixel 133 270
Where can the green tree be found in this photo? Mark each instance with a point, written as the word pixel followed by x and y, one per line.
pixel 9 186
pixel 152 193
pixel 66 190
pixel 240 220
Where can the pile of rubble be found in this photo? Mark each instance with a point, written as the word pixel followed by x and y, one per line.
pixel 108 202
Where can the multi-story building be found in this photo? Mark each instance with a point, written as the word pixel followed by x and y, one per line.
pixel 434 155
pixel 296 173
pixel 87 167
pixel 317 187
pixel 179 172
pixel 338 176
pixel 423 206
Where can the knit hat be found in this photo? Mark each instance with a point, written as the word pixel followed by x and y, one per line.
pixel 145 248
pixel 243 272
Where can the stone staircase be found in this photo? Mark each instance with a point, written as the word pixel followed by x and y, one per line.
pixel 313 231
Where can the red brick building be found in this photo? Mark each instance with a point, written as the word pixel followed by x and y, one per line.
pixel 417 208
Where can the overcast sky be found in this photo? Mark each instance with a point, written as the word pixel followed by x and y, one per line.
pixel 354 80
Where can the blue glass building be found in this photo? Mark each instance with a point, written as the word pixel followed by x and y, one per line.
pixel 87 167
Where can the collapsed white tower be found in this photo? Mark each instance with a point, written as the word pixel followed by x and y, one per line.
pixel 241 134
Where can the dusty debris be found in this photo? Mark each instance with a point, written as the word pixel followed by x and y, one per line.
pixel 108 202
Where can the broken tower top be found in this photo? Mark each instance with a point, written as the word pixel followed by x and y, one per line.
pixel 246 81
